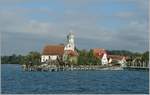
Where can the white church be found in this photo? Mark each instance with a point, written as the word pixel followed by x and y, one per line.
pixel 52 52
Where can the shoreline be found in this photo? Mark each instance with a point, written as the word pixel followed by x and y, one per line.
pixel 56 68
pixel 52 68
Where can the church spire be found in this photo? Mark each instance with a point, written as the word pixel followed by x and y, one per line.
pixel 70 41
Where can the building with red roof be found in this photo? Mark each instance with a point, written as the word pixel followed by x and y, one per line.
pixel 52 52
pixel 99 52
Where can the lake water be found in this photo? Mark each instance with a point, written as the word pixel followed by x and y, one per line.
pixel 14 80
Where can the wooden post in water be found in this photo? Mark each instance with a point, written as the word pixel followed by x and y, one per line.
pixel 130 64
pixel 137 64
pixel 133 64
pixel 144 65
pixel 140 64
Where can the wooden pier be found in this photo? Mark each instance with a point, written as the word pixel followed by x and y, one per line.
pixel 137 64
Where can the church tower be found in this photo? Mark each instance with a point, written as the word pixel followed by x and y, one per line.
pixel 70 42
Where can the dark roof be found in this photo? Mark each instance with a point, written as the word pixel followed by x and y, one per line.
pixel 53 50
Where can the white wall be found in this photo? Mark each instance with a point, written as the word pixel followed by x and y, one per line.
pixel 53 57
pixel 48 57
pixel 69 48
pixel 104 59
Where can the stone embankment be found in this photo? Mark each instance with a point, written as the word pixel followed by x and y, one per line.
pixel 46 67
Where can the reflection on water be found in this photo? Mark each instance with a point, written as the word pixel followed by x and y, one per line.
pixel 14 80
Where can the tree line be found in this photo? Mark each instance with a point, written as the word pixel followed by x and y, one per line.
pixel 144 56
pixel 33 57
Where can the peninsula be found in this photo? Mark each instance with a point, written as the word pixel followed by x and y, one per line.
pixel 67 57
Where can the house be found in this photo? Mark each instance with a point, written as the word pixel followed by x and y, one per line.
pixel 104 59
pixel 109 59
pixel 52 52
pixel 98 52
pixel 67 51
pixel 117 59
pixel 101 54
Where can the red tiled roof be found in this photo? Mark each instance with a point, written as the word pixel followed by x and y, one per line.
pixel 98 52
pixel 71 53
pixel 53 50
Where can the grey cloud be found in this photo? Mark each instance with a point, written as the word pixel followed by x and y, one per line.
pixel 21 43
pixel 40 10
pixel 11 22
pixel 134 35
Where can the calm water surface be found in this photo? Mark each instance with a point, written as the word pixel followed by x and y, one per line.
pixel 14 80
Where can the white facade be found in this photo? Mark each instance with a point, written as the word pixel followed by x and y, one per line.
pixel 70 42
pixel 104 59
pixel 45 58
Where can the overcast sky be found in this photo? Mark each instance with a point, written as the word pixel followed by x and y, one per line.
pixel 28 25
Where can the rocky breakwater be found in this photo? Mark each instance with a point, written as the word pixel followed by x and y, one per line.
pixel 52 67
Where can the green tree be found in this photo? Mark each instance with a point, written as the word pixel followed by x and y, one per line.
pixel 82 58
pixel 34 57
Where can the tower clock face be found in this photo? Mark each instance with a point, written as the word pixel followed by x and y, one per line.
pixel 71 40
